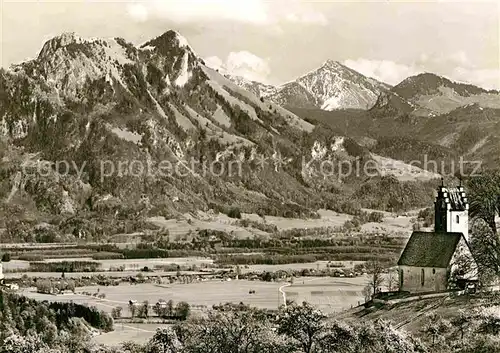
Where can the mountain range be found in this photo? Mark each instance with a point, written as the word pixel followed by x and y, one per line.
pixel 87 127
pixel 455 117
pixel 331 86
pixel 334 86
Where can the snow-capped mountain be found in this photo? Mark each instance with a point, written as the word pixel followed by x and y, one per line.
pixel 331 86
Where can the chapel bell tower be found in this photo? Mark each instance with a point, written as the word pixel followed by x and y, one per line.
pixel 451 210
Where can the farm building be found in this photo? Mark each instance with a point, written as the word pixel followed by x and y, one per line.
pixel 439 260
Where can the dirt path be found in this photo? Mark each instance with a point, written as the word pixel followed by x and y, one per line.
pixel 137 329
pixel 406 322
pixel 283 293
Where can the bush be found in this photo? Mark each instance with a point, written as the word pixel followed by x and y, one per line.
pixel 234 212
pixel 64 266
pixel 376 217
pixel 426 216
pixel 6 257
pixel 31 257
pixel 182 310
pixel 105 255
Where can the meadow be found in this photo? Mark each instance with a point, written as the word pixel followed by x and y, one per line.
pixel 331 295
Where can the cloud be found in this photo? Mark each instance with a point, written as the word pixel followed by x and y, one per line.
pixel 214 62
pixel 485 78
pixel 242 63
pixel 310 17
pixel 441 60
pixel 258 12
pixel 138 12
pixel 383 70
pixel 253 11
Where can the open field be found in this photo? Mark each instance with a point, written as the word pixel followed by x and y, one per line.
pixel 108 274
pixel 329 294
pixel 216 292
pixel 130 264
pixel 202 293
pixel 139 333
pixel 133 267
pixel 318 265
pixel 391 224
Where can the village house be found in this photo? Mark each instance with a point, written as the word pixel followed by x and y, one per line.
pixel 440 260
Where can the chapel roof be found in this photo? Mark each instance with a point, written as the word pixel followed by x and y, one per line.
pixel 430 249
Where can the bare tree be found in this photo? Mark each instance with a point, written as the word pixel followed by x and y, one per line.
pixel 462 321
pixel 392 281
pixel 375 268
pixel 144 309
pixel 367 293
pixel 132 308
pixel 116 313
pixel 436 327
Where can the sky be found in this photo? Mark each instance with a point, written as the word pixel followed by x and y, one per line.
pixel 275 41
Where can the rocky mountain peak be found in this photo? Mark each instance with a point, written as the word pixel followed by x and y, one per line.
pixel 336 86
pixel 331 86
pixel 170 42
pixel 57 42
pixel 65 41
pixel 332 64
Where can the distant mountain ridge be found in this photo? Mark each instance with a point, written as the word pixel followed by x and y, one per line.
pixel 331 86
pixel 334 86
pixel 429 83
pixel 458 119
pixel 257 88
pixel 428 94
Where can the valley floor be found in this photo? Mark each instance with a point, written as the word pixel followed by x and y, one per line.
pixel 329 294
